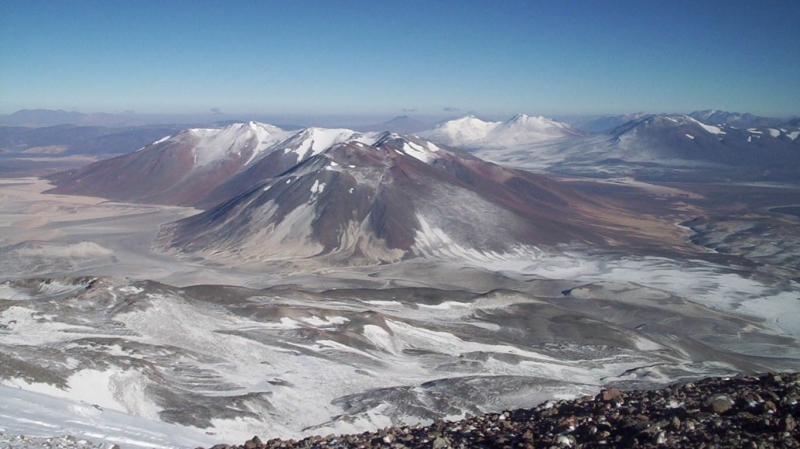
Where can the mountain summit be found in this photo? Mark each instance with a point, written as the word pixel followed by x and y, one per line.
pixel 183 169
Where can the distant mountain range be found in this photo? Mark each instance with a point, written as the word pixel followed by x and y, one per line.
pixel 647 144
pixel 344 196
pixel 49 117
pixel 663 146
pixel 712 116
pixel 369 197
pixel 68 140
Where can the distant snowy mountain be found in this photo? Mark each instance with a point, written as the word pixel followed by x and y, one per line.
pixel 460 132
pixel 522 129
pixel 471 131
pixel 664 146
pixel 676 136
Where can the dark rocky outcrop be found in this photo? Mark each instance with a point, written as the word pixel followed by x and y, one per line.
pixel 756 412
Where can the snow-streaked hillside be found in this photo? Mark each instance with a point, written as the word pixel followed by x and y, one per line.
pixel 231 363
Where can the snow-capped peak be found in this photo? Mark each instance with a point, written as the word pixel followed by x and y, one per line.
pixel 461 131
pixel 312 141
pixel 520 129
pixel 524 129
pixel 533 123
pixel 415 147
pixel 236 140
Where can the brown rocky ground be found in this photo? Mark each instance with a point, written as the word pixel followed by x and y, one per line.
pixel 756 412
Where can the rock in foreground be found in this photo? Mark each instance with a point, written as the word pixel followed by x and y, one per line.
pixel 743 412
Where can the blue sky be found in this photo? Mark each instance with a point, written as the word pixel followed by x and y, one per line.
pixel 495 58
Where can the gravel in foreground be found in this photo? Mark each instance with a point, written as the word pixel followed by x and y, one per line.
pixel 757 412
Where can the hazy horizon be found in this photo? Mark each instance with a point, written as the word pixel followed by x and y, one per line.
pixel 388 59
pixel 310 120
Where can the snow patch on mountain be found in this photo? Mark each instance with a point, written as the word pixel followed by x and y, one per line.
pixel 26 412
pixel 163 139
pixel 313 141
pixel 418 152
pixel 709 128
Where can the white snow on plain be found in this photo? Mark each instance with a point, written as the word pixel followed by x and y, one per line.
pixel 112 389
pixel 712 285
pixel 690 136
pixel 774 132
pixel 27 327
pixel 327 321
pixel 793 135
pixel 25 412
pixel 9 293
pixel 406 337
pixel 754 131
